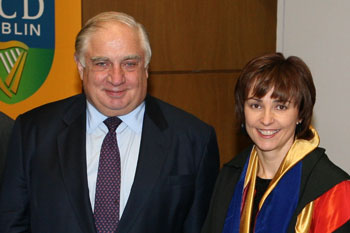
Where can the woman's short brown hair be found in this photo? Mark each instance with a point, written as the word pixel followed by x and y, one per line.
pixel 291 80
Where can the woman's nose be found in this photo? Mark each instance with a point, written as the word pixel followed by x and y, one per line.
pixel 267 117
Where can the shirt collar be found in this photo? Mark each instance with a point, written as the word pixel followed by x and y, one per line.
pixel 133 119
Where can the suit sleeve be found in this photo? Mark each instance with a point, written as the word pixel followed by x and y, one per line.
pixel 14 191
pixel 204 184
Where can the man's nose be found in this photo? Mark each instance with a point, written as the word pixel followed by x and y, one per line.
pixel 116 75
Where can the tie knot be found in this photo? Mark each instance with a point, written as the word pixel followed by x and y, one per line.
pixel 112 123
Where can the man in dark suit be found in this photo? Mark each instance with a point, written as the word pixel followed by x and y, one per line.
pixel 167 159
pixel 6 124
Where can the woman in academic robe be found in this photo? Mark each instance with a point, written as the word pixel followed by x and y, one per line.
pixel 284 182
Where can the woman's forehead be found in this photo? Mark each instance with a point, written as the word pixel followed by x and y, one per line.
pixel 272 92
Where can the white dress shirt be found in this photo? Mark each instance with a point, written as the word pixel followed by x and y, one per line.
pixel 128 139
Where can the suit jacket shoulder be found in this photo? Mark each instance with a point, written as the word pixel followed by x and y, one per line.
pixel 167 115
pixel 62 109
pixel 174 122
pixel 6 124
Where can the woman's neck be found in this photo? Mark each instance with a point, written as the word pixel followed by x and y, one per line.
pixel 268 167
pixel 270 161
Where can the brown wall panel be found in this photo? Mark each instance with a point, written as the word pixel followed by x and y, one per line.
pixel 210 98
pixel 200 34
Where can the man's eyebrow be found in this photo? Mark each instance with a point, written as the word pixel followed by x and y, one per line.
pixel 99 59
pixel 132 57
pixel 129 57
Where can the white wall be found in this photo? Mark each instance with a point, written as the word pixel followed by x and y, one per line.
pixel 318 31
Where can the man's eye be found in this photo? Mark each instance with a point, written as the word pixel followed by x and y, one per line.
pixel 130 65
pixel 100 63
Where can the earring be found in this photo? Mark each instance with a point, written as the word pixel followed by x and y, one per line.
pixel 243 129
pixel 298 127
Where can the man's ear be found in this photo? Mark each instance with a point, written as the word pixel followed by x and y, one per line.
pixel 79 66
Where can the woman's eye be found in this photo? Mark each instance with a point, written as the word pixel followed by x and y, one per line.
pixel 281 107
pixel 255 106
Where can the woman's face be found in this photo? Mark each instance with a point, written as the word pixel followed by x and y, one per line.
pixel 270 123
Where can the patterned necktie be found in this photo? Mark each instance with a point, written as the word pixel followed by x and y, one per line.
pixel 106 212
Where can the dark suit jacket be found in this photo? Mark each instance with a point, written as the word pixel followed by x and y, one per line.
pixel 6 124
pixel 319 175
pixel 45 182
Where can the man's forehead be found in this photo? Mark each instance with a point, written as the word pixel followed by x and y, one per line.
pixel 113 27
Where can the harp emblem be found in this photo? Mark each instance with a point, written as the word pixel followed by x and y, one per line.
pixel 13 55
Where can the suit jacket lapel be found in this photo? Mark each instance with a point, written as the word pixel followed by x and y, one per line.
pixel 72 156
pixel 153 151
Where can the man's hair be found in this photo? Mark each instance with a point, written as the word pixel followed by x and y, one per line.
pixel 290 79
pixel 93 24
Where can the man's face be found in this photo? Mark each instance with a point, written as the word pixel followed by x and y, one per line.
pixel 114 77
